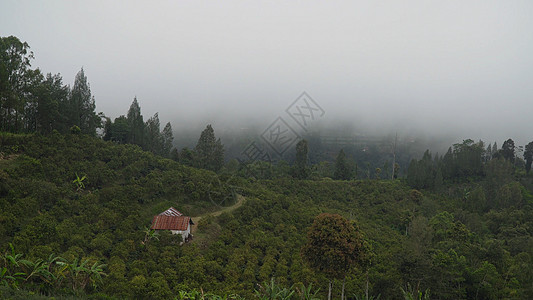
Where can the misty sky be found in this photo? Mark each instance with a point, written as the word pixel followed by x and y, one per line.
pixel 460 66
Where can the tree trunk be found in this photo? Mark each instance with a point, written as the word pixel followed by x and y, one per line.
pixel 329 292
pixel 343 282
pixel 366 289
pixel 16 121
pixel 393 157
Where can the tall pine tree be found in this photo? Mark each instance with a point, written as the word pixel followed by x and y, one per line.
pixel 508 150
pixel 108 129
pixel 135 124
pixel 528 156
pixel 82 106
pixel 120 130
pixel 52 100
pixel 301 170
pixel 209 151
pixel 488 153
pixel 168 138
pixel 153 138
pixel 342 169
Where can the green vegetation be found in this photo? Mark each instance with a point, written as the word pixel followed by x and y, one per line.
pixel 342 169
pixel 76 210
pixel 458 242
pixel 209 152
pixel 334 247
pixel 301 170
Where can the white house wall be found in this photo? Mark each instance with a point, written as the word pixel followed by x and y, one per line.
pixel 184 233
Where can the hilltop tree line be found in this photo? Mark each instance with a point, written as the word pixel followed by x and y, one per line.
pixel 31 101
pixel 462 162
pixel 131 129
pixel 467 160
pixel 343 167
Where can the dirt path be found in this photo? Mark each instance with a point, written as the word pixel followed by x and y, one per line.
pixel 240 201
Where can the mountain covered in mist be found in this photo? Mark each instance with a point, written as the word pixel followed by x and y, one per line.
pixel 283 210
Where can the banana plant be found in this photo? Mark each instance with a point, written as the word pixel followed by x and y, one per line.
pixel 13 258
pixel 182 295
pixel 80 274
pixel 414 293
pixel 273 291
pixel 79 182
pixel 365 297
pixel 5 278
pixel 11 273
pixel 196 295
pixel 307 293
pixel 38 268
pixel 96 272
pixel 150 234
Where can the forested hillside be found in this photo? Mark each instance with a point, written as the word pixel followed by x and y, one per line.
pixel 78 192
pixel 75 198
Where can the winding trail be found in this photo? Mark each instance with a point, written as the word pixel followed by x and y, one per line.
pixel 240 201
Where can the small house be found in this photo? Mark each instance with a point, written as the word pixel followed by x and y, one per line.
pixel 173 220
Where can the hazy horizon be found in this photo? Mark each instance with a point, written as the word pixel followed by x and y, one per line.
pixel 453 69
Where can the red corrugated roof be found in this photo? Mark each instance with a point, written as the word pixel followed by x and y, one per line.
pixel 171 212
pixel 170 222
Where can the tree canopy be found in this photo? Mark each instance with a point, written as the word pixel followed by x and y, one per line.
pixel 342 168
pixel 301 169
pixel 334 246
pixel 209 150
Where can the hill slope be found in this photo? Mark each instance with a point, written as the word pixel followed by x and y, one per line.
pixel 427 239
